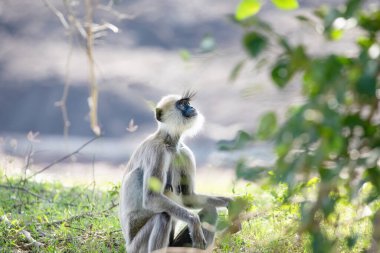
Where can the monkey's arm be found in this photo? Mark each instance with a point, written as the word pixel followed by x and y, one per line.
pixel 189 197
pixel 194 200
pixel 157 202
pixel 199 201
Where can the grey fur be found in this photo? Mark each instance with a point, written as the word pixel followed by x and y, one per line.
pixel 148 217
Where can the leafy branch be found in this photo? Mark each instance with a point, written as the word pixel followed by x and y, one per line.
pixel 335 134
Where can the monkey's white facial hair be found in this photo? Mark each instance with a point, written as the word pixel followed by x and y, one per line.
pixel 174 122
pixel 196 127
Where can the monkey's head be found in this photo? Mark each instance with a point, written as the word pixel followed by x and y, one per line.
pixel 176 115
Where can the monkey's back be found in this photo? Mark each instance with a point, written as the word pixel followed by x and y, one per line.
pixel 132 187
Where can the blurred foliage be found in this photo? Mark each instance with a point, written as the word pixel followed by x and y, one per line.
pixel 247 8
pixel 332 140
pixel 240 140
pixel 154 184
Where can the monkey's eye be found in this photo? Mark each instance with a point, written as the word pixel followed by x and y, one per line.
pixel 184 103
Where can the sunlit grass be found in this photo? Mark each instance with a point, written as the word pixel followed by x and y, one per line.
pixel 274 227
pixel 46 210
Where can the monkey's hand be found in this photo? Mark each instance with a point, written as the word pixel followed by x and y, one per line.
pixel 196 233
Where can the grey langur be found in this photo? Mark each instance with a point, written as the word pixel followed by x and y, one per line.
pixel 158 187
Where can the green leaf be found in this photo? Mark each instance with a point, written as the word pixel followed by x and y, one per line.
pixel 366 85
pixel 249 173
pixel 241 139
pixel 247 8
pixel 313 181
pixel 237 206
pixel 328 205
pixel 155 184
pixel 370 21
pixel 373 175
pixel 307 21
pixel 254 43
pixel 320 242
pixel 321 11
pixel 299 58
pixel 185 54
pixel 207 44
pixel 335 34
pixel 328 175
pixel 222 223
pixel 281 72
pixel 267 126
pixel 352 7
pixel 364 42
pixel 286 4
pixel 236 70
pixel 351 240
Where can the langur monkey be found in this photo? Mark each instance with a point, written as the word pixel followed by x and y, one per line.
pixel 158 187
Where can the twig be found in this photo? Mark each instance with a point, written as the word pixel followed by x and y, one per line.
pixel 62 102
pixel 56 12
pixel 79 216
pixel 118 15
pixel 93 99
pixel 68 26
pixel 27 235
pixel 28 161
pixel 80 229
pixel 20 189
pixel 64 158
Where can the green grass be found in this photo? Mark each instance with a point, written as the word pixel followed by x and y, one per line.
pixel 76 219
pixel 274 227
pixel 83 219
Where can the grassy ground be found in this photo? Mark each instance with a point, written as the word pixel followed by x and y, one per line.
pixel 76 219
pixel 273 227
pixel 84 219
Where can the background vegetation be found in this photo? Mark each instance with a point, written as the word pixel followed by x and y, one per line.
pixel 332 139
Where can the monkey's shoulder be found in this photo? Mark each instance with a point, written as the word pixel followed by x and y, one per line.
pixel 183 157
pixel 151 146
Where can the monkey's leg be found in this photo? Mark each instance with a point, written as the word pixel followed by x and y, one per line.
pixel 172 231
pixel 153 235
pixel 159 237
pixel 208 215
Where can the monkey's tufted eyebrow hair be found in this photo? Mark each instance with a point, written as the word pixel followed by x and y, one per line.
pixel 188 95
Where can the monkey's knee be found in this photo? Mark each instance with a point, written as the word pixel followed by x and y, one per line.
pixel 162 225
pixel 208 214
pixel 164 219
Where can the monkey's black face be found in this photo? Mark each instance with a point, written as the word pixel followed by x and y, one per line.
pixel 186 109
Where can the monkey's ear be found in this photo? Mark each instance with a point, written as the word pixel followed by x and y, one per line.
pixel 159 114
